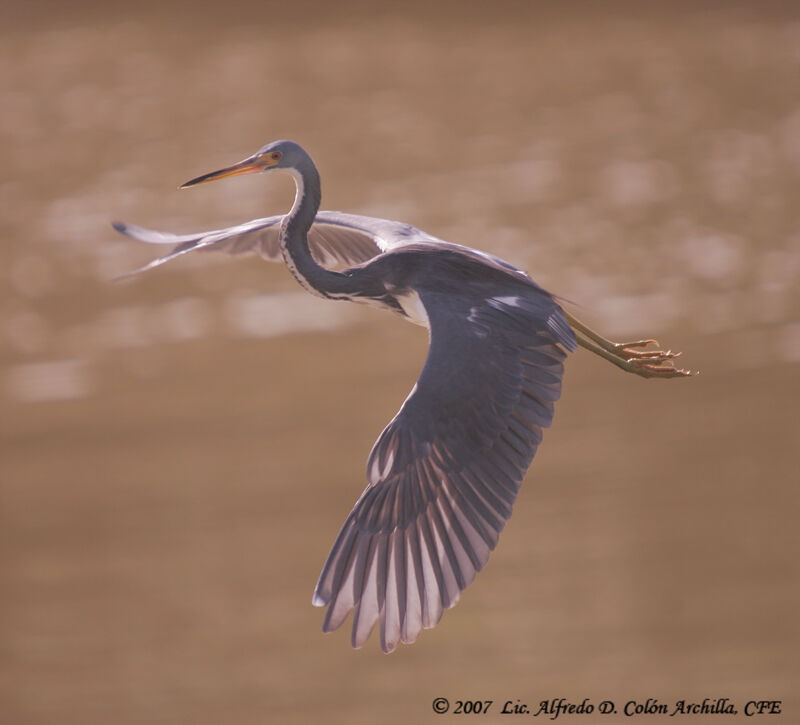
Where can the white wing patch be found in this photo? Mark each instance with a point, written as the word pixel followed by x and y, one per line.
pixel 414 309
pixel 500 302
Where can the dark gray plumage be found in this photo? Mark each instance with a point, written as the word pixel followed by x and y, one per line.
pixel 444 474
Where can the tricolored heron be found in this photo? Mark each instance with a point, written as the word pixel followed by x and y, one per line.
pixel 444 474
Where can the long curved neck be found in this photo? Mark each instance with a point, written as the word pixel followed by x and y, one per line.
pixel 294 238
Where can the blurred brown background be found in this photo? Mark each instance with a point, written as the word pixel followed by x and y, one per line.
pixel 179 451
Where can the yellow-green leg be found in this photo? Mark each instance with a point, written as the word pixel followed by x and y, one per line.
pixel 629 356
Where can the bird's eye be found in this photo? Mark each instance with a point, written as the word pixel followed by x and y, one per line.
pixel 275 155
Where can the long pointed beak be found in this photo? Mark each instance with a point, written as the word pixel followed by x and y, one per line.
pixel 250 165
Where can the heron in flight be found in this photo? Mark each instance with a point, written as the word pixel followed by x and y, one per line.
pixel 443 475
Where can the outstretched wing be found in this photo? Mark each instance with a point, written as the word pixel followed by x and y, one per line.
pixel 445 472
pixel 334 238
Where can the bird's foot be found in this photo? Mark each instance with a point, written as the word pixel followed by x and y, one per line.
pixel 634 357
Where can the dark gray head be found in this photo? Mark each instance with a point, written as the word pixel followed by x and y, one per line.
pixel 275 155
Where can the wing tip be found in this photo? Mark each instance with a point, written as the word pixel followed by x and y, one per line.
pixel 133 231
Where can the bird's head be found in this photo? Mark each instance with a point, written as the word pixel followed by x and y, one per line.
pixel 275 155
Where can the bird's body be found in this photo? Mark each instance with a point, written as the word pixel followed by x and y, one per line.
pixel 444 474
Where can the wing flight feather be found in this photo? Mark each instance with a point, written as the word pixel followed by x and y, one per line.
pixel 335 238
pixel 444 474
